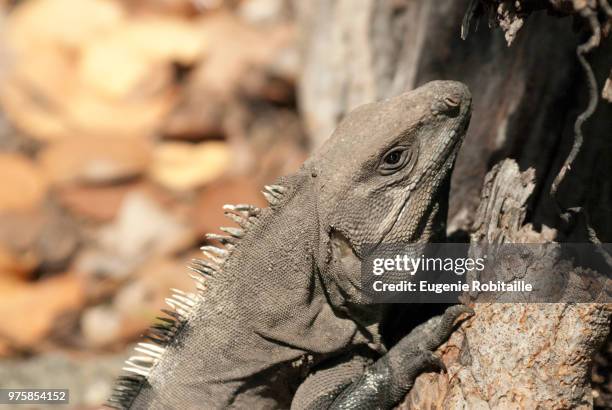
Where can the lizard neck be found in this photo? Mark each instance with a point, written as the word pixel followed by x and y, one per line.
pixel 275 266
pixel 269 291
pixel 266 310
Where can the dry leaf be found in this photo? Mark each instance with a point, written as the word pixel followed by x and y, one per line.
pixel 95 160
pixel 68 23
pixel 235 49
pixel 83 68
pixel 100 203
pixel 29 310
pixel 182 166
pixel 44 237
pixel 18 266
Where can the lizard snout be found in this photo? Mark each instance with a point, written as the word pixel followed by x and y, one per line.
pixel 451 98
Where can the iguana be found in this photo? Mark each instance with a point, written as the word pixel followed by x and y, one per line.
pixel 280 319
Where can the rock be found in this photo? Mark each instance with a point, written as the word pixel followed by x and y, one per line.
pixel 516 355
pixel 100 264
pixel 45 238
pixel 143 228
pixel 22 185
pixel 182 166
pixel 90 378
pixel 42 303
pixel 136 304
pixel 541 360
pixel 100 325
pixel 152 285
pixel 140 301
pixel 95 160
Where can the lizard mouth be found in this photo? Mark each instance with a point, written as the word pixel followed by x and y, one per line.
pixel 345 254
pixel 457 136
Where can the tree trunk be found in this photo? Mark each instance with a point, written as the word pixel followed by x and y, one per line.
pixel 516 355
pixel 526 98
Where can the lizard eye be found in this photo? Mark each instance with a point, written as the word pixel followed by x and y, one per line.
pixel 394 160
pixel 393 157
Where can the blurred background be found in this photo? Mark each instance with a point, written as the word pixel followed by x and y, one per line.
pixel 124 127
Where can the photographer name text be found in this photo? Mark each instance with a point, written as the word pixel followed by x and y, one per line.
pixel 459 286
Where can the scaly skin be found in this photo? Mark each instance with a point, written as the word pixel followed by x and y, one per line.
pixel 280 320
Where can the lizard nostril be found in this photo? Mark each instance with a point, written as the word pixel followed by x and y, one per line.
pixel 449 105
pixel 452 102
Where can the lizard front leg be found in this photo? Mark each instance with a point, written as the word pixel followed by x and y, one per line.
pixel 322 387
pixel 385 383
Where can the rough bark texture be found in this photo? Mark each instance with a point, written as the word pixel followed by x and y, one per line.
pixel 520 356
pixel 526 99
pixel 514 355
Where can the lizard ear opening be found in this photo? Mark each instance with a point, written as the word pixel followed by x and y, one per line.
pixel 396 159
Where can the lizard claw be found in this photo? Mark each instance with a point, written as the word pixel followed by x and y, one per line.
pixel 437 362
pixel 428 360
pixel 454 312
pixel 457 310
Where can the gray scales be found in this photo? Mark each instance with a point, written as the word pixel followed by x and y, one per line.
pixel 280 319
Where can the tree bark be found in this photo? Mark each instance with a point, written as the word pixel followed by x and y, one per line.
pixel 526 98
pixel 516 355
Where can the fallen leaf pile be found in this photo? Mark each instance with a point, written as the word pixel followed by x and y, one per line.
pixel 124 126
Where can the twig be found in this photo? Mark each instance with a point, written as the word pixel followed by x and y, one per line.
pixel 582 49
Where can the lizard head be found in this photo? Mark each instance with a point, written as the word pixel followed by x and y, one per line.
pixel 383 175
